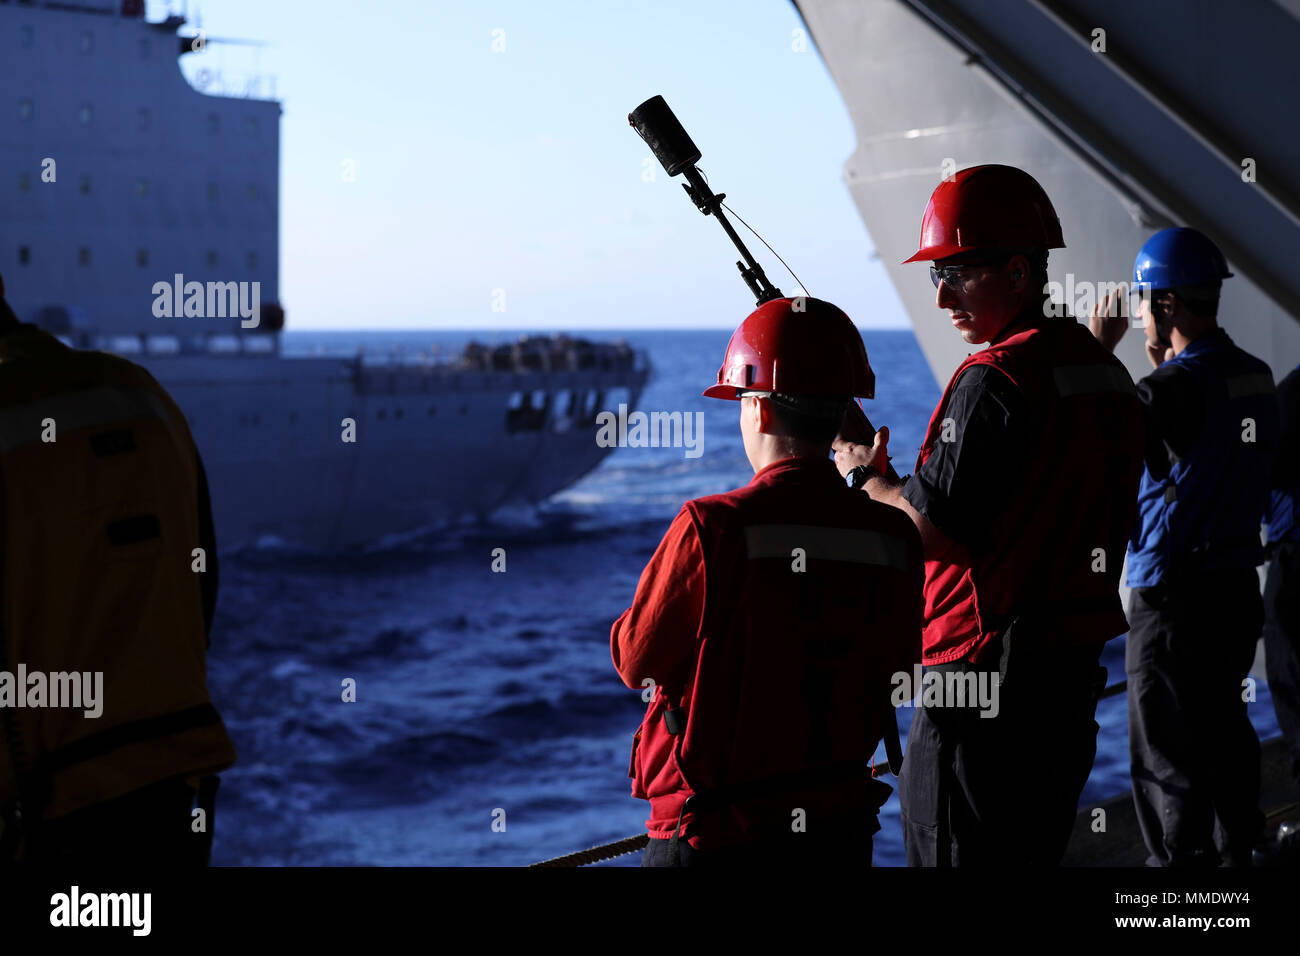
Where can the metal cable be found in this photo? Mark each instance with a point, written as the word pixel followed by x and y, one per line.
pixel 606 851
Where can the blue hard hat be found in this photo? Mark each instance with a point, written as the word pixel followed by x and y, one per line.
pixel 1179 257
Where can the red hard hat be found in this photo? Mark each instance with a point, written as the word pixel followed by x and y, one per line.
pixel 800 346
pixel 987 207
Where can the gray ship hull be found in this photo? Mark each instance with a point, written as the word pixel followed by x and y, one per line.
pixel 432 443
pixel 1122 150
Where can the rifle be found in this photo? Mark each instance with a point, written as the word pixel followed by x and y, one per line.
pixel 668 140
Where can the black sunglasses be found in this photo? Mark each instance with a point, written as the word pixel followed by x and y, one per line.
pixel 951 276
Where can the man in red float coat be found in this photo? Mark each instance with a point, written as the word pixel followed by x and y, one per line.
pixel 771 620
pixel 1024 498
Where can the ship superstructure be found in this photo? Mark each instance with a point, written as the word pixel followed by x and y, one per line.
pixel 1205 134
pixel 141 216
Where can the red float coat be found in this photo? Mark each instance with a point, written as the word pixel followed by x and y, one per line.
pixel 773 617
pixel 1057 550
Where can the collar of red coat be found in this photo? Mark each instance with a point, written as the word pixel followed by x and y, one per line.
pixel 800 465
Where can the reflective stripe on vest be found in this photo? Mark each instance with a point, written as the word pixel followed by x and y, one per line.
pixel 73 411
pixel 826 544
pixel 1240 386
pixel 1074 380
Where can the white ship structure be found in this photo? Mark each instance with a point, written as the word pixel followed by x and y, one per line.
pixel 119 175
pixel 1134 115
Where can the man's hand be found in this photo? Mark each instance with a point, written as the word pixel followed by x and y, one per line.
pixel 1157 353
pixel 1107 328
pixel 848 455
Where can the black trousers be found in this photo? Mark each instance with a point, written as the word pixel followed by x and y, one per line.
pixel 835 847
pixel 1004 790
pixel 1194 752
pixel 1282 644
pixel 150 827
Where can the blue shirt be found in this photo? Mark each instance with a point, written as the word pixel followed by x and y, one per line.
pixel 1212 428
pixel 1284 489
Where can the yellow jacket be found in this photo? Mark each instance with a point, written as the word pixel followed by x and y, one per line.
pixel 102 503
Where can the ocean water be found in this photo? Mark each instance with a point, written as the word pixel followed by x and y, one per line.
pixel 489 726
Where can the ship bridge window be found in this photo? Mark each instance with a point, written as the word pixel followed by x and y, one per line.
pixel 87 42
pixel 86 114
pixel 563 410
pixel 25 109
pixel 526 411
pixel 125 343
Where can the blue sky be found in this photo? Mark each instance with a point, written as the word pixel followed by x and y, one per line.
pixel 478 170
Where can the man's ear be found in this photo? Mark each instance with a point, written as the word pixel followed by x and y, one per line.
pixel 1165 310
pixel 1174 307
pixel 1018 272
pixel 762 416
